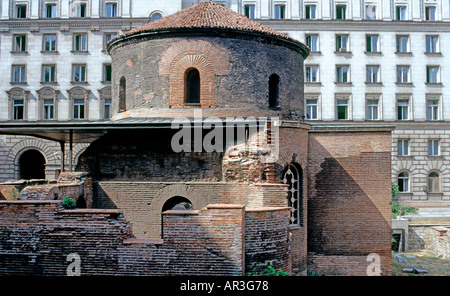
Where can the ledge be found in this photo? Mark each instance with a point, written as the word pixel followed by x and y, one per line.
pixel 267 209
pixel 136 241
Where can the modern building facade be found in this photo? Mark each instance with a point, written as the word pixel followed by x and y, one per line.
pixel 371 62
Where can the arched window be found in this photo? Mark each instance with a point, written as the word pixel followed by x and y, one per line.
pixel 177 203
pixel 192 78
pixel 122 94
pixel 293 176
pixel 274 101
pixel 434 183
pixel 155 16
pixel 403 182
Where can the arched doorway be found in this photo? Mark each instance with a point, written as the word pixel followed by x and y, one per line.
pixel 31 165
pixel 175 203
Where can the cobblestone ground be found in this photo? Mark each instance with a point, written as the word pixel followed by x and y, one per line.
pixel 420 263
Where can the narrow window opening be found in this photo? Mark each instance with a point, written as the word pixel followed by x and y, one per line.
pixel 274 100
pixel 192 78
pixel 122 94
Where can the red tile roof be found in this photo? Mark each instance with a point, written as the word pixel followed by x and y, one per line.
pixel 207 15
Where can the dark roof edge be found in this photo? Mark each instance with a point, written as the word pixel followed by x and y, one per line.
pixel 217 32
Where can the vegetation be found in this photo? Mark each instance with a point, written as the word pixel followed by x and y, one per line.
pixel 268 271
pixel 68 203
pixel 398 209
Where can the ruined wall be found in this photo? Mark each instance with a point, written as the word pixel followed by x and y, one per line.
pixel 349 196
pixel 440 241
pixel 36 238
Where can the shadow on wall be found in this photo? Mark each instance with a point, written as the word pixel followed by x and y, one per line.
pixel 349 198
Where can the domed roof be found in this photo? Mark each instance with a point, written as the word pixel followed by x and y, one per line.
pixel 204 16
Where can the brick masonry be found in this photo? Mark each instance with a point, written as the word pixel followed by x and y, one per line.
pixel 349 195
pixel 37 236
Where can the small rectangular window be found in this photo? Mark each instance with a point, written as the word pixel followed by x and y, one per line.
pixel 403 148
pixel 341 12
pixel 108 37
pixel 50 10
pixel 433 74
pixel 107 72
pixel 342 43
pixel 18 109
pixel 342 74
pixel 49 73
pixel 432 44
pixel 372 43
pixel 372 109
pixel 403 109
pixel 280 12
pixel 107 109
pixel 80 42
pixel 312 73
pixel 48 109
pixel 81 10
pixel 311 109
pixel 249 11
pixel 312 42
pixel 21 11
pixel 79 73
pixel 430 13
pixel 49 42
pixel 433 147
pixel 310 12
pixel 20 43
pixel 433 109
pixel 78 109
pixel 342 109
pixel 111 9
pixel 372 75
pixel 18 73
pixel 400 13
pixel 371 12
pixel 402 74
pixel 402 43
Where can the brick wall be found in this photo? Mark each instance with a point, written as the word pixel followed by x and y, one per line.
pixel 440 241
pixel 349 195
pixel 37 236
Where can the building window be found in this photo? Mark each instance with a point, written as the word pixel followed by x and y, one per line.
pixel 280 11
pixel 48 73
pixel 111 9
pixel 342 109
pixel 80 42
pixel 402 43
pixel 311 109
pixel 50 11
pixel 341 12
pixel 433 74
pixel 107 109
pixel 80 10
pixel 107 72
pixel 312 73
pixel 310 12
pixel 432 44
pixel 430 13
pixel 155 16
pixel 342 44
pixel 294 178
pixel 108 37
pixel 403 74
pixel 20 43
pixel 433 109
pixel 372 43
pixel 249 11
pixel 371 12
pixel 343 74
pixel 18 73
pixel 434 183
pixel 48 109
pixel 312 42
pixel 403 182
pixel 274 85
pixel 433 147
pixel 373 109
pixel 400 13
pixel 78 109
pixel 403 109
pixel 192 86
pixel 21 11
pixel 18 109
pixel 49 42
pixel 79 73
pixel 403 147
pixel 122 94
pixel 373 74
